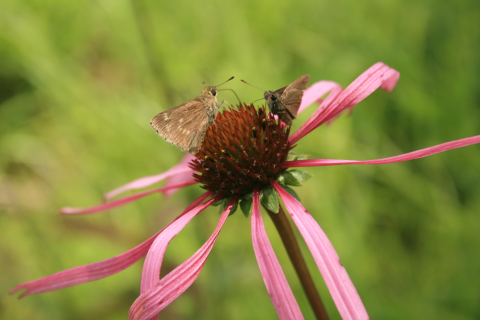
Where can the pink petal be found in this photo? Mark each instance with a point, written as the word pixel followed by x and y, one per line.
pixel 378 75
pixel 93 271
pixel 311 123
pixel 148 181
pixel 120 202
pixel 316 91
pixel 86 273
pixel 153 261
pixel 341 288
pixel 181 177
pixel 403 157
pixel 151 302
pixel 277 286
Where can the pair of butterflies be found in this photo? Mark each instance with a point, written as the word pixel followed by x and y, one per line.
pixel 185 125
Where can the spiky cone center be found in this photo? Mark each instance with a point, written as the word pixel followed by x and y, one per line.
pixel 245 148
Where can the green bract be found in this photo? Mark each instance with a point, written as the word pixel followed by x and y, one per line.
pixel 269 198
pixel 300 175
pixel 246 204
pixel 292 156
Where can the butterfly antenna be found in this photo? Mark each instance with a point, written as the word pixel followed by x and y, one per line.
pixel 224 82
pixel 258 100
pixel 233 93
pixel 251 85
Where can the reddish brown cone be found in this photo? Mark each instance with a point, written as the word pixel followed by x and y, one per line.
pixel 245 148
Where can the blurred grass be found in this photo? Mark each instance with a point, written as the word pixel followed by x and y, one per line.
pixel 79 82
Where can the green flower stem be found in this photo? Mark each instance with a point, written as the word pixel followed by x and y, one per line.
pixel 290 242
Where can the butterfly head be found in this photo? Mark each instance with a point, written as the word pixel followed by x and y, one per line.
pixel 209 96
pixel 212 91
pixel 209 93
pixel 271 96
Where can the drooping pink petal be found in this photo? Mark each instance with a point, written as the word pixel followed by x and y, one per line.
pixel 403 157
pixel 179 178
pixel 311 123
pixel 316 91
pixel 338 282
pixel 94 271
pixel 377 76
pixel 122 201
pixel 182 168
pixel 154 259
pixel 151 302
pixel 86 273
pixel 277 286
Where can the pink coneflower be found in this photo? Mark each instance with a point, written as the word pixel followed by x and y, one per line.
pixel 244 161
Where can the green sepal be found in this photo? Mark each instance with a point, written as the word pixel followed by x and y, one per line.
pixel 234 208
pixel 292 193
pixel 300 175
pixel 216 204
pixel 223 204
pixel 247 196
pixel 270 199
pixel 292 156
pixel 286 178
pixel 246 206
pixel 303 156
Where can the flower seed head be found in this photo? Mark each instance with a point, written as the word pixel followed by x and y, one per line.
pixel 245 148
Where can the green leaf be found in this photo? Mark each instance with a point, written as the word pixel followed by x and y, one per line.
pixel 292 193
pixel 300 175
pixel 269 198
pixel 246 206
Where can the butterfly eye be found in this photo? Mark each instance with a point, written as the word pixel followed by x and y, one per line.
pixel 213 92
pixel 274 97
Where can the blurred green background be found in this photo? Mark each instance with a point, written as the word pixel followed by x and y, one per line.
pixel 80 80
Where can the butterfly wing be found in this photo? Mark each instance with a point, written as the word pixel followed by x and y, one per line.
pixel 299 84
pixel 183 126
pixel 292 97
pixel 198 136
pixel 280 91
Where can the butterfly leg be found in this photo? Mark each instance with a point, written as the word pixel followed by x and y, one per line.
pixel 225 103
pixel 219 108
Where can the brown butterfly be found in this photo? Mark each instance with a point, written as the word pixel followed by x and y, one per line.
pixel 285 101
pixel 185 125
